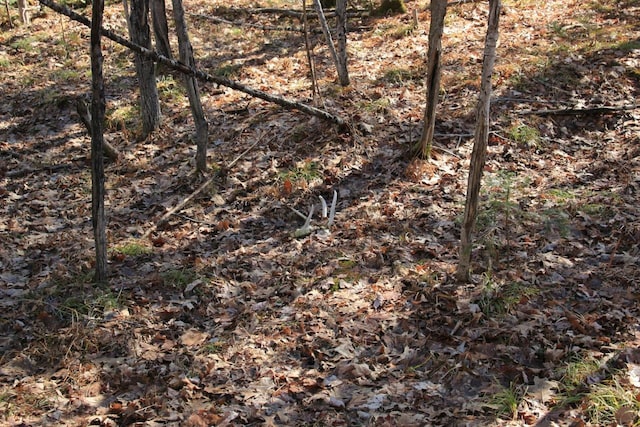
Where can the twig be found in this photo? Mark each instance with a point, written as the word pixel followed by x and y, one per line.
pixel 247 24
pixel 163 219
pixel 578 111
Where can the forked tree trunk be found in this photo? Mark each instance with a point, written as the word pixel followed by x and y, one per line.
pixel 438 12
pixel 343 77
pixel 23 8
pixel 160 27
pixel 479 153
pixel 97 160
pixel 186 57
pixel 145 70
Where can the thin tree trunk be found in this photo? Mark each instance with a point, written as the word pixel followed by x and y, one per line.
pixel 201 75
pixel 479 153
pixel 315 92
pixel 97 140
pixel 341 34
pixel 141 35
pixel 332 48
pixel 438 12
pixel 6 5
pixel 160 27
pixel 23 8
pixel 186 57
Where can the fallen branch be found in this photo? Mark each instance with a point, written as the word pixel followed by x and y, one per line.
pixel 578 111
pixel 247 24
pixel 163 219
pixel 192 71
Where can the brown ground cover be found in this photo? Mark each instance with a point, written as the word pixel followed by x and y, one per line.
pixel 225 317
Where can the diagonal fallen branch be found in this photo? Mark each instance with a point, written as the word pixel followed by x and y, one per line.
pixel 192 71
pixel 163 219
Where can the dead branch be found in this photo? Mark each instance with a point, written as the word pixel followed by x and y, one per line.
pixel 163 219
pixel 248 24
pixel 192 71
pixel 578 111
pixel 108 149
pixel 298 14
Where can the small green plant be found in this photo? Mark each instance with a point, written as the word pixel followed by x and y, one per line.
pixel 578 370
pixel 132 249
pixel 524 135
pixel 179 278
pixel 214 347
pixel 556 221
pixel 400 75
pixel 499 299
pixel 66 74
pixel 505 402
pixel 76 306
pixel 306 171
pixel 4 62
pixel 26 44
pixel 376 106
pixel 123 117
pixel 606 399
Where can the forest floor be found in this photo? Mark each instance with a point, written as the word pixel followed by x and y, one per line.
pixel 224 317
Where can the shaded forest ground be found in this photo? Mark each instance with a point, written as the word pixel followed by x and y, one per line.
pixel 223 317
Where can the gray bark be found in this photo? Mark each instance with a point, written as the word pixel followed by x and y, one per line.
pixel 186 57
pixel 341 35
pixel 436 27
pixel 332 48
pixel 479 153
pixel 97 140
pixel 160 27
pixel 145 70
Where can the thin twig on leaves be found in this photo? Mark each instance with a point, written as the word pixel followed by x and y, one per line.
pixel 578 111
pixel 163 219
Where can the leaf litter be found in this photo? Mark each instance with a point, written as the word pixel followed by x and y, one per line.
pixel 225 317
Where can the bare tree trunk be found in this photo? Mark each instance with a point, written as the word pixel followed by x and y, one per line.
pixel 6 5
pixel 97 140
pixel 160 27
pixel 341 33
pixel 315 92
pixel 327 33
pixel 479 154
pixel 141 35
pixel 438 12
pixel 23 8
pixel 186 57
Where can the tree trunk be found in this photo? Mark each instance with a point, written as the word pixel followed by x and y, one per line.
pixel 23 8
pixel 186 57
pixel 341 33
pixel 141 35
pixel 327 33
pixel 97 160
pixel 438 12
pixel 160 27
pixel 479 153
